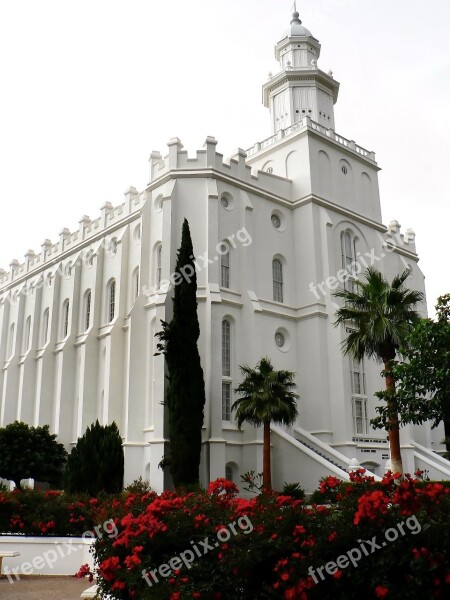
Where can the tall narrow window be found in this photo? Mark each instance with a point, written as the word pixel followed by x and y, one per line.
pixel 360 416
pixel 225 267
pixel 27 335
pixel 348 259
pixel 359 398
pixel 277 275
pixel 229 472
pixel 226 370
pixel 45 322
pixel 136 284
pixel 65 319
pixel 87 310
pixel 226 348
pixel 226 401
pixel 111 300
pixel 158 266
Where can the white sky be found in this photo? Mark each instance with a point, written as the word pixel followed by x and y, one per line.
pixel 89 88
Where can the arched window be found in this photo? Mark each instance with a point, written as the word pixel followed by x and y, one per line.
pixel 135 284
pixel 44 330
pixel 226 370
pixel 65 319
pixel 226 348
pixel 158 266
pixel 225 266
pixel 27 335
pixel 277 276
pixel 228 472
pixel 12 331
pixel 87 310
pixel 111 307
pixel 348 258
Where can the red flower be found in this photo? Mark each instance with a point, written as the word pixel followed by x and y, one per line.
pixel 381 591
pixel 222 487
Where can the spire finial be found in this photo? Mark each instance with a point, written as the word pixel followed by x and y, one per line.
pixel 295 15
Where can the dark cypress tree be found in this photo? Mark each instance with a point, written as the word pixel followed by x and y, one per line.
pixel 96 463
pixel 185 396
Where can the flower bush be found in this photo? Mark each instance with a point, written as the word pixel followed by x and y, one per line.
pixel 289 551
pixel 38 513
pixel 388 539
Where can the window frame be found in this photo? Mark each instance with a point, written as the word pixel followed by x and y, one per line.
pixel 87 310
pixel 111 301
pixel 225 267
pixel 65 319
pixel 359 397
pixel 278 280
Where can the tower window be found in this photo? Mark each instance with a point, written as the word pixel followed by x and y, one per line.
pixel 226 401
pixel 276 221
pixel 277 276
pixel 225 268
pixel 158 266
pixel 279 339
pixel 348 259
pixel 226 348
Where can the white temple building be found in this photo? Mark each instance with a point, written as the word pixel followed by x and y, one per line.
pixel 273 230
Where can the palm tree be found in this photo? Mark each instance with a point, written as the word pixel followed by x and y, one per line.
pixel 266 396
pixel 382 314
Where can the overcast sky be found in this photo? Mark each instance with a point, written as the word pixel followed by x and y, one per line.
pixel 89 88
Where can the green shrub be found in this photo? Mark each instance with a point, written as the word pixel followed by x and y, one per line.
pixel 138 486
pixel 96 463
pixel 294 490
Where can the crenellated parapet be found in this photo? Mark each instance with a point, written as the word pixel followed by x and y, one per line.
pixel 70 241
pixel 396 238
pixel 208 159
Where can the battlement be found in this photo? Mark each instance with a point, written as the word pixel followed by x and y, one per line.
pixel 397 239
pixel 88 229
pixel 208 158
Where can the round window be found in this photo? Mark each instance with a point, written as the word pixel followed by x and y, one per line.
pixel 279 339
pixel 276 222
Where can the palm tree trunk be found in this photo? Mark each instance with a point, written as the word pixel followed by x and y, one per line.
pixel 394 429
pixel 267 476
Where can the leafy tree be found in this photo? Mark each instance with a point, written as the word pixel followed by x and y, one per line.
pixel 423 375
pixel 96 463
pixel 185 396
pixel 30 452
pixel 382 314
pixel 267 396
